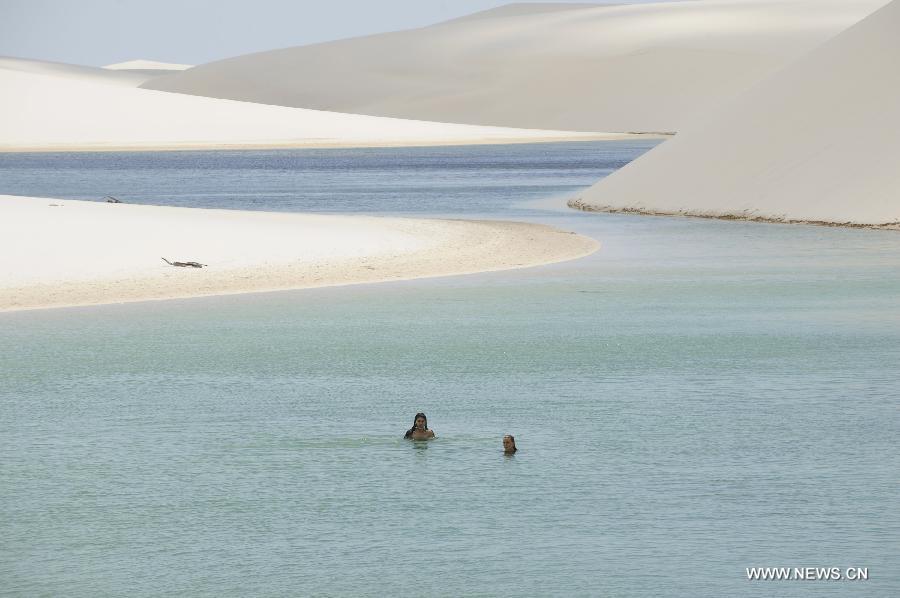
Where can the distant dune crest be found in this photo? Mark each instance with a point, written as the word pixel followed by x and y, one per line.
pixel 151 68
pixel 517 9
pixel 146 65
pixel 91 74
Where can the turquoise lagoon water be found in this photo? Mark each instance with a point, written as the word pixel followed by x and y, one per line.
pixel 696 398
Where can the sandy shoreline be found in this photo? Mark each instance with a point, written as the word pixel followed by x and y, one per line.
pixel 578 204
pixel 59 253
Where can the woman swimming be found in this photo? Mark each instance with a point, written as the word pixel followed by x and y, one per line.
pixel 509 445
pixel 419 430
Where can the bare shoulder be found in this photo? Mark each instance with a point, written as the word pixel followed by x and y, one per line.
pixel 430 434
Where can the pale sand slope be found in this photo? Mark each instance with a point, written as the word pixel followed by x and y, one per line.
pixel 147 68
pixel 147 65
pixel 64 252
pixel 525 8
pixel 43 112
pixel 72 71
pixel 816 142
pixel 642 67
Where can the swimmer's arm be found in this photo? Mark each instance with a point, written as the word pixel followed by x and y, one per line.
pixel 431 433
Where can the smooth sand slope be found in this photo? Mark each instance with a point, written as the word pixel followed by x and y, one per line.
pixel 76 72
pixel 817 142
pixel 643 67
pixel 41 111
pixel 525 8
pixel 64 252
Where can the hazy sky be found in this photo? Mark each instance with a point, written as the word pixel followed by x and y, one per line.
pixel 100 32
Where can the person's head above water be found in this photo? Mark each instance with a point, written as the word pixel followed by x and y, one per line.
pixel 509 444
pixel 420 423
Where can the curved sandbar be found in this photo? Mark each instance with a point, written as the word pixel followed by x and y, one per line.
pixel 56 253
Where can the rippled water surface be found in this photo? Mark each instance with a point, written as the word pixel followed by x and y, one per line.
pixel 696 398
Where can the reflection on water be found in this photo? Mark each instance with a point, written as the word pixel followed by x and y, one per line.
pixel 696 398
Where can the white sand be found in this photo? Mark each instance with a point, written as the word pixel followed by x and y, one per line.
pixel 147 65
pixel 642 67
pixel 816 142
pixel 147 69
pixel 76 72
pixel 50 112
pixel 64 252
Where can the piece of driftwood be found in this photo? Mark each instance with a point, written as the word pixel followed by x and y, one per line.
pixel 184 264
pixel 111 199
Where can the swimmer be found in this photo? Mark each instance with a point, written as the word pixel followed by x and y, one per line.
pixel 509 445
pixel 420 430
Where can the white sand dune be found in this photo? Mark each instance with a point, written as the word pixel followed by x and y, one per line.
pixel 50 112
pixel 148 68
pixel 147 65
pixel 90 74
pixel 63 252
pixel 643 67
pixel 816 142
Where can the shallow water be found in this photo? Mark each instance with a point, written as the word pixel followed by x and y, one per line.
pixel 696 398
pixel 443 180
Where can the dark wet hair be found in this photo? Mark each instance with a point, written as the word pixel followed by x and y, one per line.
pixel 409 432
pixel 513 438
